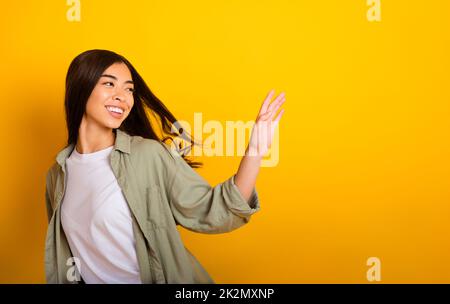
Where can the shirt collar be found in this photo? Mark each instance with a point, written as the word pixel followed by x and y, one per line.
pixel 122 144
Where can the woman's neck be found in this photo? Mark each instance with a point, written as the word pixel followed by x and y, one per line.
pixel 92 138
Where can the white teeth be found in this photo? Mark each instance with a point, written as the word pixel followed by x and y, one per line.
pixel 115 109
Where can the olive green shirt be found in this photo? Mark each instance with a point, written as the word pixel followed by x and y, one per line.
pixel 162 191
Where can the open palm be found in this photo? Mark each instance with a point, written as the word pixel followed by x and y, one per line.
pixel 265 124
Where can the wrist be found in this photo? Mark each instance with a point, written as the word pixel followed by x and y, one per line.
pixel 253 153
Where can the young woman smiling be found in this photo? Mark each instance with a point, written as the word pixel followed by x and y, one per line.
pixel 117 190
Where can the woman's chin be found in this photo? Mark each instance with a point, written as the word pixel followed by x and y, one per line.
pixel 112 125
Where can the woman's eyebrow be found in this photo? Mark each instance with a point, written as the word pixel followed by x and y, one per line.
pixel 115 78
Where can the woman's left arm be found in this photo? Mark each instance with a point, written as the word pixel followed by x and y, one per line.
pixel 259 144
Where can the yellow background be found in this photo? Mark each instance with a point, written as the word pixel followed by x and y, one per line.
pixel 364 143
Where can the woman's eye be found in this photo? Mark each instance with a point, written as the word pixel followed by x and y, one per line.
pixel 130 89
pixel 108 83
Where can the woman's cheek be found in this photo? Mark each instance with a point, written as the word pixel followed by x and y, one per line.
pixel 104 95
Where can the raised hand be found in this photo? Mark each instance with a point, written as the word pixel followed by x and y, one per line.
pixel 265 124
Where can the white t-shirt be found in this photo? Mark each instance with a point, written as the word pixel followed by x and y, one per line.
pixel 97 220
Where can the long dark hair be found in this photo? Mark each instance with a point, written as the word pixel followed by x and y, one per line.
pixel 82 76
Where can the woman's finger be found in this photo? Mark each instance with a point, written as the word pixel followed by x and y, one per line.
pixel 266 102
pixel 276 101
pixel 275 122
pixel 275 110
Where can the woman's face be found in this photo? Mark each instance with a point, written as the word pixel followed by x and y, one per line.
pixel 111 99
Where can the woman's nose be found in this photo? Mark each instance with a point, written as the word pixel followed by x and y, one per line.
pixel 119 97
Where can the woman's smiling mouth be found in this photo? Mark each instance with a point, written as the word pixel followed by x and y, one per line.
pixel 115 112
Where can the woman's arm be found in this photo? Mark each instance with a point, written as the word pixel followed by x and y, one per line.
pixel 199 207
pixel 259 144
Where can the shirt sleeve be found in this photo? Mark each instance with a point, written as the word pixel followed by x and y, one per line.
pixel 199 207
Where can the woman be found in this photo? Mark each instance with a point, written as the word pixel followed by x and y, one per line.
pixel 117 190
